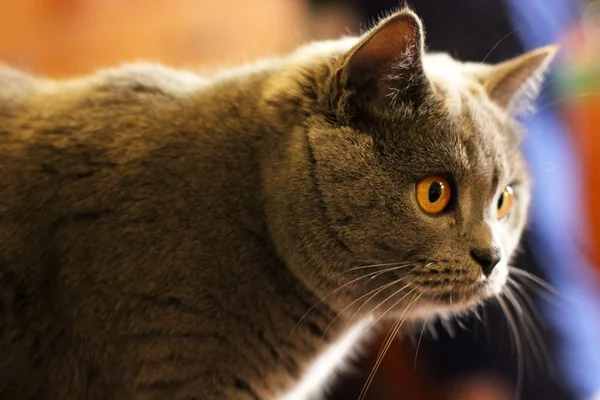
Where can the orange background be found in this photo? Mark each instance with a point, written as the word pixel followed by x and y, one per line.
pixel 65 37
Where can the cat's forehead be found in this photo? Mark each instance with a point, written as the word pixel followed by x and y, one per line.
pixel 462 94
pixel 449 79
pixel 482 134
pixel 458 130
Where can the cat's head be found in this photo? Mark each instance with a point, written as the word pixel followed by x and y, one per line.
pixel 415 185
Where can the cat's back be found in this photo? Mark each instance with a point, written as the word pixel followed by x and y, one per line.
pixel 26 99
pixel 106 106
pixel 112 186
pixel 65 141
pixel 132 142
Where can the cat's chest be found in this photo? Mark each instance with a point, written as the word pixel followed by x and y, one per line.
pixel 334 358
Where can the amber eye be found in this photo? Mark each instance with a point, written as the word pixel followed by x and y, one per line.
pixel 433 194
pixel 505 202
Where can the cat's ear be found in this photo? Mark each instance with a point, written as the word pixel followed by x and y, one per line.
pixel 515 83
pixel 386 67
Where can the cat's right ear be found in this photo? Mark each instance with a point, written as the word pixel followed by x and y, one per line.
pixel 386 66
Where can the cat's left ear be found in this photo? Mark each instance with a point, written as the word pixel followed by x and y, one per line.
pixel 515 83
pixel 385 66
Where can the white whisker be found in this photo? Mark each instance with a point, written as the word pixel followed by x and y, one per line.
pixel 539 281
pixel 329 295
pixel 388 342
pixel 392 306
pixel 538 343
pixel 518 345
pixel 399 264
pixel 373 293
pixel 419 343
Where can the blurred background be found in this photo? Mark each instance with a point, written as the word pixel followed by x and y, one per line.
pixel 60 38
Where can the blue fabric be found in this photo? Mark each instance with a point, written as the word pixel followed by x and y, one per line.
pixel 555 226
pixel 556 222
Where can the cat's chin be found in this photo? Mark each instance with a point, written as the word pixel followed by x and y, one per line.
pixel 451 302
pixel 458 300
pixel 448 301
pixel 431 308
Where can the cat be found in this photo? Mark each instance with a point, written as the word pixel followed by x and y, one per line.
pixel 165 235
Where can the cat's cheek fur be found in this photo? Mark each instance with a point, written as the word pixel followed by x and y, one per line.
pixel 497 280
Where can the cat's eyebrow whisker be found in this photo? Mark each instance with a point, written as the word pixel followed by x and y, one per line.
pixel 502 39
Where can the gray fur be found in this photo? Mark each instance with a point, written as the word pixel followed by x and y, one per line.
pixel 164 235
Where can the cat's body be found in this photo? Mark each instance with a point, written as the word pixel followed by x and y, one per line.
pixel 134 209
pixel 164 235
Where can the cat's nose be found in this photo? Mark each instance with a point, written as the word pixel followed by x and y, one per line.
pixel 488 258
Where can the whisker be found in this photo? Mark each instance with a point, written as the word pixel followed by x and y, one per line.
pixel 477 314
pixel 461 324
pixel 368 300
pixel 526 328
pixel 509 294
pixel 445 322
pixel 375 276
pixel 373 293
pixel 520 290
pixel 324 298
pixel 400 263
pixel 543 359
pixel 530 276
pixel 388 342
pixel 389 297
pixel 499 42
pixel 488 334
pixel 518 345
pixel 522 274
pixel 419 343
pixel 393 305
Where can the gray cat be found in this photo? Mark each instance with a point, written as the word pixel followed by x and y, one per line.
pixel 170 236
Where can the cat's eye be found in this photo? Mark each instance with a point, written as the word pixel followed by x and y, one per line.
pixel 433 194
pixel 505 202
